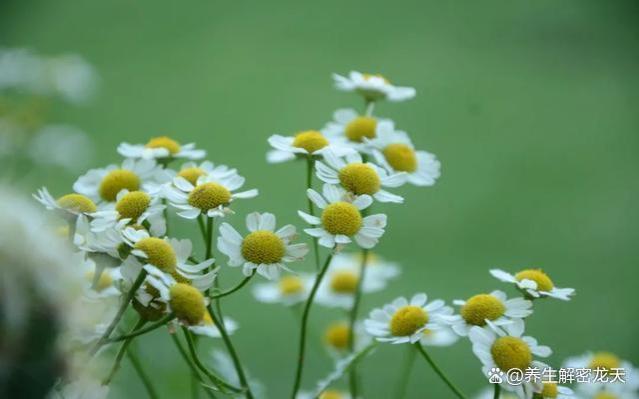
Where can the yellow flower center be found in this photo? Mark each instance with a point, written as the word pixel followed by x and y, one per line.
pixel 187 302
pixel 192 174
pixel 116 181
pixel 360 128
pixel 159 253
pixel 344 282
pixel 331 394
pixel 132 205
pixel 511 353
pixel 77 203
pixel 341 218
pixel 544 283
pixel 481 307
pixel 164 142
pixel 367 76
pixel 549 390
pixel 605 395
pixel 401 157
pixel 605 361
pixel 209 196
pixel 290 285
pixel 104 281
pixel 310 140
pixel 359 178
pixel 336 335
pixel 263 247
pixel 407 320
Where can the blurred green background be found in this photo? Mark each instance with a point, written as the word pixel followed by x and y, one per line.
pixel 530 105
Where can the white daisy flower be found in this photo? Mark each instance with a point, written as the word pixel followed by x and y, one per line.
pixel 373 87
pixel 264 249
pixel 534 283
pixel 341 219
pixel 191 171
pixel 187 302
pixel 135 207
pixel 338 287
pixel 494 307
pixel 104 184
pixel 359 178
pixel 605 364
pixel 306 143
pixel 107 243
pixel 68 206
pixel 394 151
pixel 160 148
pixel 326 394
pixel 354 129
pixel 99 281
pixel 337 337
pixel 288 290
pixel 442 336
pixel 168 255
pixel 404 321
pixel 211 196
pixel 505 348
pixel 551 390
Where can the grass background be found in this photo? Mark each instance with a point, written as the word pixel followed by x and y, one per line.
pixel 530 105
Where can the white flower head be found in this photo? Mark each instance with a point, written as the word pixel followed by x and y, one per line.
pixel 354 129
pixel 338 287
pixel 289 289
pixel 104 184
pixel 191 171
pixel 341 218
pixel 326 394
pixel 134 207
pixel 99 281
pixel 161 148
pixel 306 143
pixel 442 336
pixel 186 301
pixel 506 348
pixel 359 177
pixel 552 390
pixel 68 206
pixel 107 243
pixel 263 249
pixel 404 321
pixel 534 283
pixel 337 338
pixel 394 150
pixel 373 87
pixel 211 195
pixel 495 307
pixel 605 365
pixel 169 256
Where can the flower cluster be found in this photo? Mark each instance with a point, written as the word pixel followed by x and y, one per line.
pixel 119 221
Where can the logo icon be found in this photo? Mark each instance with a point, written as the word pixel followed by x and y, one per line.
pixel 494 376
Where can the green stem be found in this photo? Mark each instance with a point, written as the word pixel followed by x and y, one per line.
pixel 219 323
pixel 107 333
pixel 165 212
pixel 311 208
pixel 352 375
pixel 232 290
pixel 302 343
pixel 211 375
pixel 200 223
pixel 497 391
pixel 369 108
pixel 404 376
pixel 194 371
pixel 439 372
pixel 137 365
pixel 144 330
pixel 121 352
